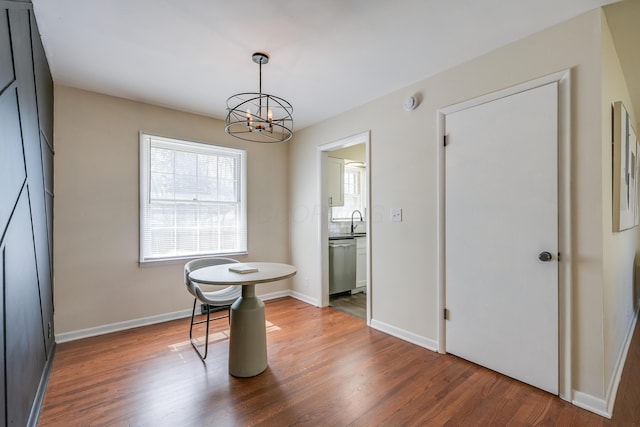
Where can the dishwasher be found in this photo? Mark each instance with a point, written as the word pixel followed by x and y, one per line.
pixel 342 265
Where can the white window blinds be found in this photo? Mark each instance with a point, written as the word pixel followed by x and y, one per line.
pixel 192 199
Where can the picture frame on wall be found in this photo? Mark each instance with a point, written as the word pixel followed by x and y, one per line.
pixel 626 169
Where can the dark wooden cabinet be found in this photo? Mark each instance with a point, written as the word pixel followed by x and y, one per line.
pixel 26 201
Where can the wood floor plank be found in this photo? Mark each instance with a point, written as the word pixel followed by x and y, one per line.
pixel 326 368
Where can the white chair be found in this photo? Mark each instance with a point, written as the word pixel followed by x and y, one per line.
pixel 222 298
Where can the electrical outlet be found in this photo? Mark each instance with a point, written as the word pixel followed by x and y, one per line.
pixel 396 215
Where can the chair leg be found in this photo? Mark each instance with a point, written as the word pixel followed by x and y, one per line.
pixel 206 339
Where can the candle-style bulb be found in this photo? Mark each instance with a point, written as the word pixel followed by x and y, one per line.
pixel 270 119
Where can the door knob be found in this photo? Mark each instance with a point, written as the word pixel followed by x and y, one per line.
pixel 545 256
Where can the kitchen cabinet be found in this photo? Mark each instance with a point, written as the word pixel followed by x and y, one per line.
pixel 361 262
pixel 335 181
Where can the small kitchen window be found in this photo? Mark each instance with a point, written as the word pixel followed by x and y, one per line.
pixel 354 194
pixel 192 199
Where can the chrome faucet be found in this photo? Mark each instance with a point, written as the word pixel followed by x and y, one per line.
pixel 353 227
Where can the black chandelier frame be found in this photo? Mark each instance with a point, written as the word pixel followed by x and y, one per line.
pixel 258 116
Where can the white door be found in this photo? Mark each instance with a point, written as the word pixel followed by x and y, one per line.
pixel 501 207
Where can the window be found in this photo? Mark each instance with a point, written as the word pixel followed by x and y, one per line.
pixel 192 199
pixel 354 194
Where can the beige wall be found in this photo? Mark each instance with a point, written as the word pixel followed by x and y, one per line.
pixel 97 277
pixel 404 149
pixel 620 247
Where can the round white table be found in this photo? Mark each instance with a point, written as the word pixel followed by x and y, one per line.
pixel 248 334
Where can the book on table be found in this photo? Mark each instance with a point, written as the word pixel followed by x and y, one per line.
pixel 243 269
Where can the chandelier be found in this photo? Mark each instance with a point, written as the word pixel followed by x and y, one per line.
pixel 259 117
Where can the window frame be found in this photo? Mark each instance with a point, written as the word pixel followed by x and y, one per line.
pixel 145 145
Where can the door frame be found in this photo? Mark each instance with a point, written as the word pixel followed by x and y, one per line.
pixel 323 202
pixel 563 78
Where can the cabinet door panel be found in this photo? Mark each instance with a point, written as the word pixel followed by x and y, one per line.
pixel 3 414
pixel 6 58
pixel 44 84
pixel 25 352
pixel 25 213
pixel 12 172
pixel 361 262
pixel 47 167
pixel 6 61
pixel 335 175
pixel 24 66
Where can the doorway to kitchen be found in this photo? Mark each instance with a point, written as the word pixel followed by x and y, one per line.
pixel 344 228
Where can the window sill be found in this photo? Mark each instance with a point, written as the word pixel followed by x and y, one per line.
pixel 184 260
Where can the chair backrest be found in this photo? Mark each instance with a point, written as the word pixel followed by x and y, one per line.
pixel 201 263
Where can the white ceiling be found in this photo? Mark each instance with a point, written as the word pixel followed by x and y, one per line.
pixel 327 56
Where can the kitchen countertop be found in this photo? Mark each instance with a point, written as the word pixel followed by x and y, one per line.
pixel 347 236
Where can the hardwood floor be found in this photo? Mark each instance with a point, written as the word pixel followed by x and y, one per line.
pixel 326 368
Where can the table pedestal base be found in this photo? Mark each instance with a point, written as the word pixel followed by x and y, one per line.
pixel 248 337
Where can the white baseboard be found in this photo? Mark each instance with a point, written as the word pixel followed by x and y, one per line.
pixel 590 403
pixel 612 390
pixel 405 335
pixel 134 323
pixel 604 407
pixel 121 326
pixel 274 295
pixel 304 298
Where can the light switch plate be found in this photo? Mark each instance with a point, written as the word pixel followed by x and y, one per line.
pixel 396 215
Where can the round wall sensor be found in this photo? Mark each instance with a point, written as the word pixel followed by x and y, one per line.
pixel 411 103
